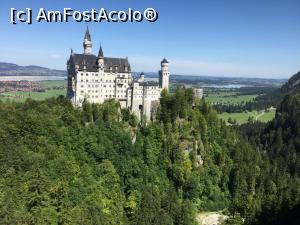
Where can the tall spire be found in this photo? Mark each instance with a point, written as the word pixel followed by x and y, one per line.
pixel 100 53
pixel 87 43
pixel 87 34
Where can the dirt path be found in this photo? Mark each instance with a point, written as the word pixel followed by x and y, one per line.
pixel 256 116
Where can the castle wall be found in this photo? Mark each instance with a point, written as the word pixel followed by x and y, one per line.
pixel 97 87
pixel 198 93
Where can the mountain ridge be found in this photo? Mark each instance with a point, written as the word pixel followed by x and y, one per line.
pixel 12 69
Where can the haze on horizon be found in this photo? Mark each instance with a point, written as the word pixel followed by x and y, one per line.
pixel 253 38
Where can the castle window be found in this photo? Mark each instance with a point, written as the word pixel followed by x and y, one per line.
pixel 87 74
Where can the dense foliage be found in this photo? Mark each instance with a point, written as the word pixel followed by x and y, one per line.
pixel 279 141
pixel 98 165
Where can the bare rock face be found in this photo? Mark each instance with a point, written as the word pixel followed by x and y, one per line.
pixel 210 218
pixel 199 161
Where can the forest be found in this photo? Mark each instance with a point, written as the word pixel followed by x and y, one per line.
pixel 100 165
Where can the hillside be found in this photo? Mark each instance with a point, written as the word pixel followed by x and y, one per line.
pixel 10 69
pixel 293 84
pixel 60 165
pixel 97 165
pixel 274 97
pixel 279 140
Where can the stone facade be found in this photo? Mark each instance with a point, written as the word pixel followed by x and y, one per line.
pixel 198 93
pixel 97 78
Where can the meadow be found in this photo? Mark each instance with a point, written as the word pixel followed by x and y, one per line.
pixel 233 97
pixel 21 96
pixel 228 97
pixel 240 118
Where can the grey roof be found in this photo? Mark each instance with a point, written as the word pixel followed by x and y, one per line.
pixel 91 63
pixel 164 61
pixel 87 34
pixel 100 53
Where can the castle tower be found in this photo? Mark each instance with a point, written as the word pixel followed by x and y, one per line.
pixel 142 77
pixel 100 60
pixel 87 43
pixel 164 75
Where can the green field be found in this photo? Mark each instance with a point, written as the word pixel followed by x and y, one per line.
pixel 53 83
pixel 243 117
pixel 228 97
pixel 232 98
pixel 20 96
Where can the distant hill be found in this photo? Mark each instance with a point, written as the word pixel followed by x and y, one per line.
pixel 10 69
pixel 273 98
pixel 206 81
pixel 292 85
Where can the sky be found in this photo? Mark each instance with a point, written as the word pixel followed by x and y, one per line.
pixel 240 38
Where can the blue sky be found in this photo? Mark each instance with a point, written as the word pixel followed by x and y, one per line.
pixel 253 38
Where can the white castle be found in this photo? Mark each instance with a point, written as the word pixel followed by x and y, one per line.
pixel 97 78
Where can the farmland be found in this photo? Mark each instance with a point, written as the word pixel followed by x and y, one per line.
pixel 234 97
pixel 52 89
pixel 240 118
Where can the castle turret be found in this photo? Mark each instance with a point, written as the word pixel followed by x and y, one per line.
pixel 142 77
pixel 164 75
pixel 100 59
pixel 87 43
